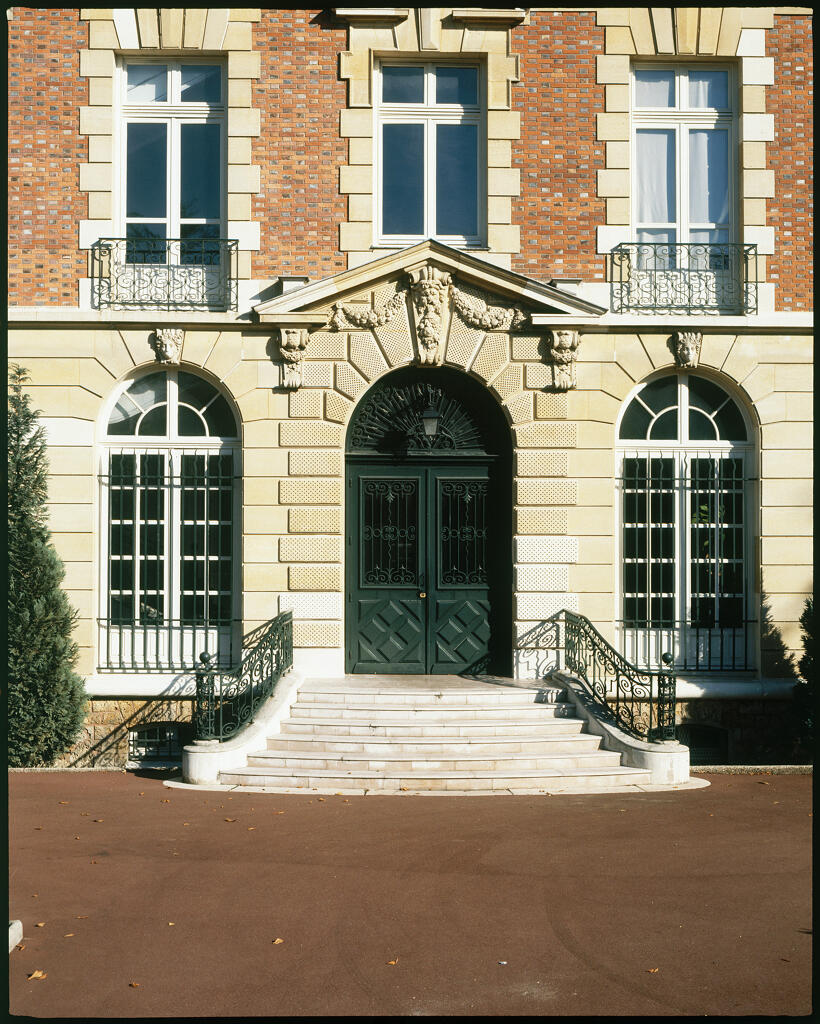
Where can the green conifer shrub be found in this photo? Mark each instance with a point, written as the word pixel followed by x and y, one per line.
pixel 805 692
pixel 46 698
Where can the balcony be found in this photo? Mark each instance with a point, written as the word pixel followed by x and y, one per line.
pixel 713 278
pixel 165 273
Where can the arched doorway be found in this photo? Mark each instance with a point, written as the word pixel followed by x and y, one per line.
pixel 429 528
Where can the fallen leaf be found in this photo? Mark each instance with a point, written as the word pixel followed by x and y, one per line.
pixel 321 799
pixel 186 823
pixel 34 895
pixel 251 828
pixel 165 801
pixel 40 924
pixel 785 961
pixel 99 819
pixel 653 970
pixel 403 789
pixel 229 819
pixel 761 782
pixel 93 862
pixel 392 963
pixel 20 945
pixel 82 917
pixel 276 942
pixel 69 935
pixel 76 837
pixel 84 814
pixel 62 801
pixel 280 812
pixel 171 924
pixel 38 828
pixel 142 794
pixel 134 984
pixel 36 974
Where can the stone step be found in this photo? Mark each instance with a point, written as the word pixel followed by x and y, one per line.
pixel 508 696
pixel 334 726
pixel 435 746
pixel 432 713
pixel 423 763
pixel 358 780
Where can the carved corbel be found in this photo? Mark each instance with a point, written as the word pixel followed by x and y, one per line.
pixel 292 344
pixel 429 289
pixel 686 346
pixel 562 346
pixel 168 344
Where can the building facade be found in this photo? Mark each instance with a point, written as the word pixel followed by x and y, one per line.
pixel 425 324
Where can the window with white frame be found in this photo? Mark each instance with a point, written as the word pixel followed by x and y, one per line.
pixel 172 138
pixel 686 464
pixel 168 472
pixel 684 144
pixel 430 153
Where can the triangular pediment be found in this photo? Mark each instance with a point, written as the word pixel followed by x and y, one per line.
pixel 312 303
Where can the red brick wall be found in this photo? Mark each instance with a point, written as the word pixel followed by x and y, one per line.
pixel 45 150
pixel 558 210
pixel 299 151
pixel 790 157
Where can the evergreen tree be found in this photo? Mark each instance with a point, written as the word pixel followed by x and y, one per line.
pixel 46 698
pixel 805 692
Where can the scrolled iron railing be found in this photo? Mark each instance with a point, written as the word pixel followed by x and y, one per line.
pixel 640 702
pixel 165 273
pixel 684 277
pixel 226 702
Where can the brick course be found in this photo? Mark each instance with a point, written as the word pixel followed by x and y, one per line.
pixel 299 151
pixel 790 157
pixel 45 93
pixel 558 154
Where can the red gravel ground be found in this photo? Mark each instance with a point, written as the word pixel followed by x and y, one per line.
pixel 142 900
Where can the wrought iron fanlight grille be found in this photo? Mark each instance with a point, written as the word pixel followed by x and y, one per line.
pixel 391 421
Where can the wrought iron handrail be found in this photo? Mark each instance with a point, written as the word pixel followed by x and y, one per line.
pixel 684 277
pixel 165 273
pixel 640 702
pixel 226 702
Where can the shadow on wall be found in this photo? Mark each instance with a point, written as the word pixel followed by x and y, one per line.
pixel 112 749
pixel 776 660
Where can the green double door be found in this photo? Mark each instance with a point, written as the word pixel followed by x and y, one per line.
pixel 426 569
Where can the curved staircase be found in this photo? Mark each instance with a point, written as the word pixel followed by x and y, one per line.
pixel 433 734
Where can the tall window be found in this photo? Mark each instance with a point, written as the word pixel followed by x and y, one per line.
pixel 683 154
pixel 685 463
pixel 167 476
pixel 430 153
pixel 173 160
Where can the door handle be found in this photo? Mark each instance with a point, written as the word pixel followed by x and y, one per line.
pixel 422 593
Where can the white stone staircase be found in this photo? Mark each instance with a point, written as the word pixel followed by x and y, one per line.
pixel 443 734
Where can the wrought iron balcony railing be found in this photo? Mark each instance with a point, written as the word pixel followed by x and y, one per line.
pixel 694 277
pixel 694 647
pixel 152 643
pixel 165 273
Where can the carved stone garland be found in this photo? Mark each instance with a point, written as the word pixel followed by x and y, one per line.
pixel 168 344
pixel 686 345
pixel 476 313
pixel 292 344
pixel 562 346
pixel 343 315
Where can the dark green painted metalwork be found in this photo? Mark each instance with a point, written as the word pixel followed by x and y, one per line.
pixel 227 701
pixel 428 555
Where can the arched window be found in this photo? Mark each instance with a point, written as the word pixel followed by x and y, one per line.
pixel 167 473
pixel 685 455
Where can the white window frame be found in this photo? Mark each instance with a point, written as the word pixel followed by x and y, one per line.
pixel 429 114
pixel 174 113
pixel 681 119
pixel 172 642
pixel 646 650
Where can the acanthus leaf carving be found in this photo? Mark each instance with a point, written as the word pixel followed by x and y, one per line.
pixel 292 344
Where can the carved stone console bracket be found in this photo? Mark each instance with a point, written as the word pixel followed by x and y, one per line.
pixel 430 290
pixel 292 344
pixel 686 346
pixel 562 346
pixel 168 344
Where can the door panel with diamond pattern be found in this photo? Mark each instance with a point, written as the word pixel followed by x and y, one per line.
pixel 423 589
